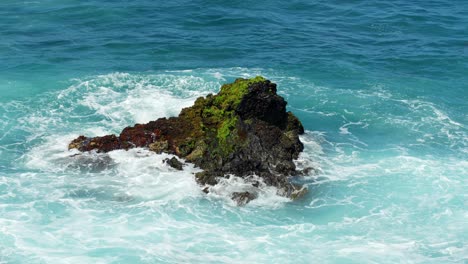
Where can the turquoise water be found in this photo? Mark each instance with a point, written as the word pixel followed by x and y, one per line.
pixel 381 89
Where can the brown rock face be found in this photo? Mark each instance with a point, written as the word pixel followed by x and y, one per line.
pixel 243 130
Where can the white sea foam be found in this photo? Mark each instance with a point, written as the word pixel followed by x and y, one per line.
pixel 148 177
pixel 365 204
pixel 267 196
pixel 313 154
pixel 122 99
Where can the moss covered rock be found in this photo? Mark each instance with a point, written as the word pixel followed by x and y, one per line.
pixel 243 130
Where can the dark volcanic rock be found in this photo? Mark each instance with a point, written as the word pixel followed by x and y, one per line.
pixel 243 130
pixel 174 163
pixel 242 198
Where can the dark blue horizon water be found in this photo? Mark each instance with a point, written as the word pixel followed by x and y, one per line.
pixel 381 88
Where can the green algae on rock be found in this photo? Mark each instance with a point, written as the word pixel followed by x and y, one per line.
pixel 243 130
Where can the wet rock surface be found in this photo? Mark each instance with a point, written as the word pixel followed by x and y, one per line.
pixel 242 198
pixel 243 130
pixel 174 163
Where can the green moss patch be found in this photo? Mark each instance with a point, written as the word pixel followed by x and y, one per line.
pixel 231 94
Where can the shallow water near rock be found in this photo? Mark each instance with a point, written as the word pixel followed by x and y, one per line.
pixel 380 89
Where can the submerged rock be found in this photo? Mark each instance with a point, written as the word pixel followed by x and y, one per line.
pixel 242 198
pixel 174 163
pixel 243 130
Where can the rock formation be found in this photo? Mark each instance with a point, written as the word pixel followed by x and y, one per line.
pixel 243 130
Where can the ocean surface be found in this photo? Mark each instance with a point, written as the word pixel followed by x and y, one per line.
pixel 380 86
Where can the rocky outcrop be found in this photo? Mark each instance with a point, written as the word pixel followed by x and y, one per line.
pixel 243 130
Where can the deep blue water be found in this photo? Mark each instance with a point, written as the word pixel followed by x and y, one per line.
pixel 381 88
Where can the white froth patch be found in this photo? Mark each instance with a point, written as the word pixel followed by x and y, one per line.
pixel 267 196
pixel 51 154
pixel 142 104
pixel 148 177
pixel 118 100
pixel 124 98
pixel 344 129
pixel 134 173
pixel 313 154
